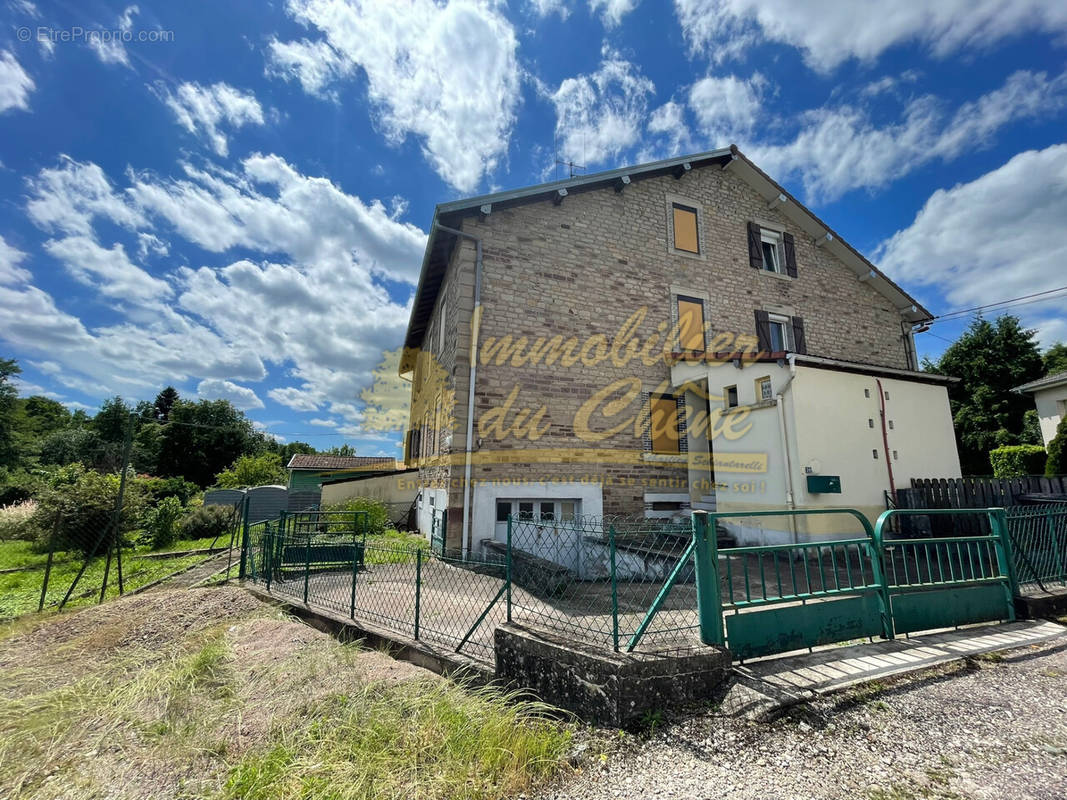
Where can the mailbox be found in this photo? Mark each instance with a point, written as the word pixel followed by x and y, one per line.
pixel 824 484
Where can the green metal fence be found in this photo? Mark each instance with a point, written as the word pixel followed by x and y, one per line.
pixel 1039 543
pixel 331 563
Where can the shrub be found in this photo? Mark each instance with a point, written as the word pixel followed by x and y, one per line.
pixel 262 470
pixel 1015 461
pixel 1057 451
pixel 16 521
pixel 85 501
pixel 208 521
pixel 158 488
pixel 161 523
pixel 377 513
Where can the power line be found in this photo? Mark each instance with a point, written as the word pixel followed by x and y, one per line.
pixel 1036 297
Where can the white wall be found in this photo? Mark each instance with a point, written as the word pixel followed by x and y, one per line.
pixel 1050 409
pixel 483 520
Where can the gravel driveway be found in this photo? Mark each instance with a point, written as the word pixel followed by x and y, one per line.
pixel 992 727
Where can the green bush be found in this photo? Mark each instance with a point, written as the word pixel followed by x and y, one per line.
pixel 208 521
pixel 161 523
pixel 85 503
pixel 158 488
pixel 1015 461
pixel 1057 451
pixel 377 513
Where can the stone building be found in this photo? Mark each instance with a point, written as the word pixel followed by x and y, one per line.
pixel 572 350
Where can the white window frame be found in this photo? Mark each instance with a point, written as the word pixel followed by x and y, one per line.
pixel 787 329
pixel 773 238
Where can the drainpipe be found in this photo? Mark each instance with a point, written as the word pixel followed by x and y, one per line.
pixel 787 462
pixel 885 440
pixel 476 319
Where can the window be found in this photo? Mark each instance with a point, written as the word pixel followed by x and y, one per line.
pixel 729 396
pixel 567 510
pixel 526 510
pixel 548 511
pixel 763 389
pixel 690 324
pixel 665 438
pixel 770 245
pixel 503 510
pixel 780 333
pixel 685 228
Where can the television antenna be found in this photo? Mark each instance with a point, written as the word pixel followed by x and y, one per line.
pixel 574 169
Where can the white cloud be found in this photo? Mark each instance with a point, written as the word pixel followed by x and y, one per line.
pixel 203 109
pixel 612 11
pixel 727 108
pixel 992 239
pixel 315 65
pixel 543 8
pixel 599 115
pixel 829 32
pixel 667 133
pixel 324 423
pixel 69 197
pixel 10 258
pixel 841 148
pixel 15 84
pixel 217 389
pixel 305 399
pixel 109 271
pixel 110 49
pixel 447 75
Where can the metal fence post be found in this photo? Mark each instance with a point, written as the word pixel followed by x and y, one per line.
pixel 998 521
pixel 307 566
pixel 418 589
pixel 244 540
pixel 614 589
pixel 507 570
pixel 268 552
pixel 48 564
pixel 877 542
pixel 355 569
pixel 709 599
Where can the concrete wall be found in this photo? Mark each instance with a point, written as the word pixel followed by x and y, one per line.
pixel 400 487
pixel 1051 408
pixel 833 427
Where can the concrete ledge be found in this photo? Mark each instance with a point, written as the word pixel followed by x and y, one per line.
pixel 605 687
pixel 1038 606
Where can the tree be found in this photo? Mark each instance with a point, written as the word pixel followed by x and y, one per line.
pixel 343 450
pixel 201 439
pixel 259 470
pixel 1055 359
pixel 112 420
pixel 165 401
pixel 9 368
pixel 991 359
pixel 1057 451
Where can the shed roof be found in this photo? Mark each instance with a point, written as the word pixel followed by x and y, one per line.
pixel 317 462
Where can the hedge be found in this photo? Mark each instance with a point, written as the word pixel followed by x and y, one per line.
pixel 1018 460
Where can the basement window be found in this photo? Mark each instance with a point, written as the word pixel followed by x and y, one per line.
pixel 763 389
pixel 729 396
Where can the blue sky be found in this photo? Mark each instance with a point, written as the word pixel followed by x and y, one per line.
pixel 233 197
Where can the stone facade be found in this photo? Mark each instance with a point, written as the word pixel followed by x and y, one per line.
pixel 582 269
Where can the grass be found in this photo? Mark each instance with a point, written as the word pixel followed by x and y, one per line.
pixel 197 712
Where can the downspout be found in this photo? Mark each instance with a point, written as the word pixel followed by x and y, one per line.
pixel 787 462
pixel 476 319
pixel 885 441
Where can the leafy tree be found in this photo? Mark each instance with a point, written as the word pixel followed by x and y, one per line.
pixel 9 368
pixel 258 470
pixel 201 439
pixel 1057 451
pixel 990 358
pixel 165 401
pixel 343 450
pixel 1055 359
pixel 1031 428
pixel 112 420
pixel 40 416
pixel 289 449
pixel 74 445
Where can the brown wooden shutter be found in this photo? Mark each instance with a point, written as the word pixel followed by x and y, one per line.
pixel 755 246
pixel 800 344
pixel 790 255
pixel 763 331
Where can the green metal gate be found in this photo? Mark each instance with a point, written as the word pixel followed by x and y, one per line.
pixel 775 598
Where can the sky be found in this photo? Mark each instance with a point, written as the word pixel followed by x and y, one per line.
pixel 233 198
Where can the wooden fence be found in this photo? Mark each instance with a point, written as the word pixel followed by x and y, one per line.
pixel 977 493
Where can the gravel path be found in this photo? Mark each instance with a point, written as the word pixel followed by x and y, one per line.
pixel 992 727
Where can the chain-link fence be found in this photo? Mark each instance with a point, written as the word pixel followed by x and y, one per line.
pixel 1039 546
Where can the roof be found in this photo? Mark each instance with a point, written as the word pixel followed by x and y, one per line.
pixel 440 243
pixel 816 362
pixel 1048 382
pixel 313 461
pixel 369 475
